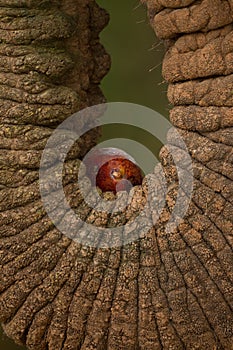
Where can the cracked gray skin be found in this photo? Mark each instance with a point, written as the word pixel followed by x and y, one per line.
pixel 166 290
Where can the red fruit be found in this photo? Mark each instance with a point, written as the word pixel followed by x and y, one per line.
pixel 112 169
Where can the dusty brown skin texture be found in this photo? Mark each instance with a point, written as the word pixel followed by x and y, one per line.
pixel 166 290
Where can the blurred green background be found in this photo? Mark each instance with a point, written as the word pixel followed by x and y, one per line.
pixel 136 54
pixel 135 75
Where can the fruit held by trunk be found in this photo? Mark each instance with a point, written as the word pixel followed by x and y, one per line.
pixel 112 169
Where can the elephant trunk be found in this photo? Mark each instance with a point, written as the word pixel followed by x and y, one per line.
pixel 51 66
pixel 198 66
pixel 167 290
